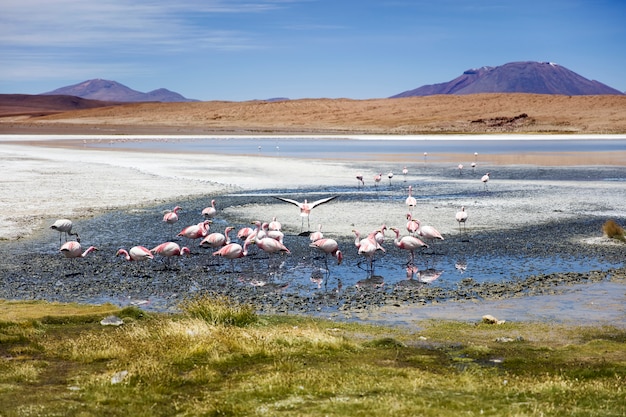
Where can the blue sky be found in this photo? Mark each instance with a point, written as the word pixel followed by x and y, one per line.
pixel 258 49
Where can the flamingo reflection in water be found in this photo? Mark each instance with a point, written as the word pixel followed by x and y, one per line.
pixel 410 283
pixel 427 276
pixel 373 282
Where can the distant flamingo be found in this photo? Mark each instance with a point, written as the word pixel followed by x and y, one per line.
pixel 64 226
pixel 485 179
pixel 409 243
pixel 233 251
pixel 390 176
pixel 359 178
pixel 473 167
pixel 275 225
pixel 461 217
pixel 413 225
pixel 136 253
pixel 367 247
pixel 316 235
pixel 378 178
pixel 217 240
pixel 404 172
pixel 171 217
pixel 410 200
pixel 460 169
pixel 210 212
pixel 73 249
pixel 306 207
pixel 169 250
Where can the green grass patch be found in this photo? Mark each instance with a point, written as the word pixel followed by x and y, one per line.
pixel 233 363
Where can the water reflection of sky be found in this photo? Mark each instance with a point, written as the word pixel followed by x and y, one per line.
pixel 341 148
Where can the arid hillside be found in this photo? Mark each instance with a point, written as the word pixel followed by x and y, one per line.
pixel 480 113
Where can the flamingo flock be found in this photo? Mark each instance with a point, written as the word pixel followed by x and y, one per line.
pixel 268 237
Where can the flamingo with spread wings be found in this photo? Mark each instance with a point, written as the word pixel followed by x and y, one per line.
pixel 306 207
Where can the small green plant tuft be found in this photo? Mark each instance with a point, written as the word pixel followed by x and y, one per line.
pixel 219 310
pixel 613 230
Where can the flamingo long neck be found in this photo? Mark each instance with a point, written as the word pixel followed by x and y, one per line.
pixel 89 250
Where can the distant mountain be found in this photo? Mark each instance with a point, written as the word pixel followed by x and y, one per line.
pixel 516 77
pixel 31 104
pixel 106 90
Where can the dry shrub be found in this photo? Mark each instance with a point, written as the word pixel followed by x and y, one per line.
pixel 613 230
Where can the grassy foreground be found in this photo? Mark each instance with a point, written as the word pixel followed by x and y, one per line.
pixel 220 359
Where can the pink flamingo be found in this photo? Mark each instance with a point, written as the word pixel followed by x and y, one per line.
pixel 379 235
pixel 367 246
pixel 233 251
pixel 217 240
pixel 329 247
pixel 270 246
pixel 210 212
pixel 195 231
pixel 359 178
pixel 258 232
pixel 73 249
pixel 274 234
pixel 410 200
pixel 461 217
pixel 275 225
pixel 171 217
pixel 64 226
pixel 316 235
pixel 378 178
pixel 136 253
pixel 413 225
pixel 405 171
pixel 460 169
pixel 390 176
pixel 169 250
pixel 485 179
pixel 409 243
pixel 429 233
pixel 306 207
pixel 244 232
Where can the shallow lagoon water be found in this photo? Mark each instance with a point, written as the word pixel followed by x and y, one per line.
pixel 359 149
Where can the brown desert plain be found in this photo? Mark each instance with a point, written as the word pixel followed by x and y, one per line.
pixel 479 113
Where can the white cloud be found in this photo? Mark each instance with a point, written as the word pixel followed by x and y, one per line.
pixel 120 23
